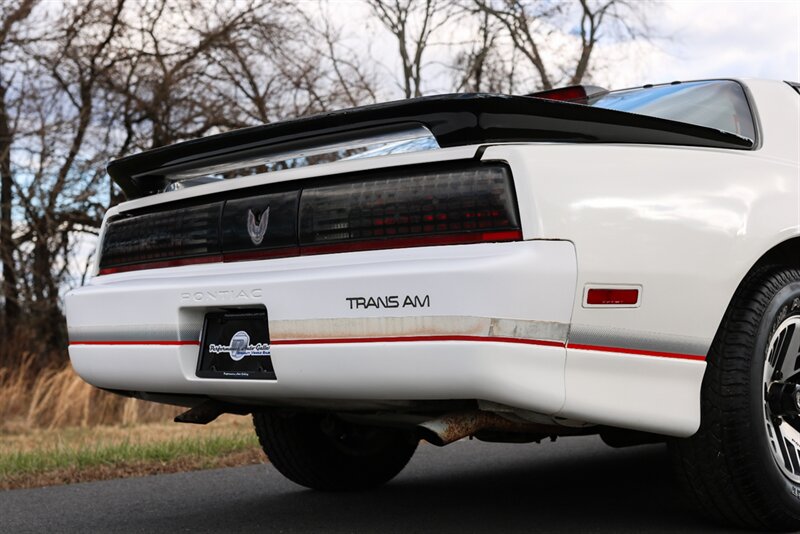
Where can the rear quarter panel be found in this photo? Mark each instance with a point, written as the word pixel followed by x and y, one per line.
pixel 684 223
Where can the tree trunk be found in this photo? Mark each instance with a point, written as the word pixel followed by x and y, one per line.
pixel 10 297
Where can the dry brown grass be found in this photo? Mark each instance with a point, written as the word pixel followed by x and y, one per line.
pixel 57 429
pixel 42 457
pixel 54 397
pixel 74 437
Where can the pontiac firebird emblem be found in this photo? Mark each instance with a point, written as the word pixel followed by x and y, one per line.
pixel 257 230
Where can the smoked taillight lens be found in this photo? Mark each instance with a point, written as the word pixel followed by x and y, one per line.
pixel 162 239
pixel 410 209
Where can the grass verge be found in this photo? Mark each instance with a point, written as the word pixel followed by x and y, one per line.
pixel 56 397
pixel 47 457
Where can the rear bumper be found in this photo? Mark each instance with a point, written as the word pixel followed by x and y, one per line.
pixel 529 377
pixel 484 321
pixel 487 322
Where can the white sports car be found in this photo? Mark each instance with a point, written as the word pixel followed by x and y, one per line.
pixel 511 268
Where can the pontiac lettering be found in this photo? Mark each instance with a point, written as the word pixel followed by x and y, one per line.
pixel 221 295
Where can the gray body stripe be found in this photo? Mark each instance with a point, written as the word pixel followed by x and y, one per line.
pixel 364 327
pixel 622 338
pixel 136 332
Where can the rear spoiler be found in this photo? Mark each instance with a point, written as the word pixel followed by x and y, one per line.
pixel 454 120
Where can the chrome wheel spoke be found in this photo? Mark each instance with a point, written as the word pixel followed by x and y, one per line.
pixel 789 439
pixel 781 370
pixel 787 362
pixel 794 424
pixel 795 378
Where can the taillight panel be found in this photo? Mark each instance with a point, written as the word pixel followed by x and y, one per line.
pixel 162 236
pixel 404 205
pixel 394 208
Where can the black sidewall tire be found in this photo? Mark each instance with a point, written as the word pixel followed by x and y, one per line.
pixel 727 469
pixel 785 304
pixel 298 448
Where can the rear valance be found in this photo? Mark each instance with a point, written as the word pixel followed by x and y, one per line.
pixel 454 120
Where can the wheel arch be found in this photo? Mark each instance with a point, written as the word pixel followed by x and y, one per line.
pixel 784 254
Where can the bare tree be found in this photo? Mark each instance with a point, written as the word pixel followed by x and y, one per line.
pixel 264 76
pixel 195 69
pixel 56 191
pixel 14 13
pixel 480 65
pixel 345 76
pixel 398 16
pixel 530 23
pixel 161 85
pixel 515 44
pixel 98 80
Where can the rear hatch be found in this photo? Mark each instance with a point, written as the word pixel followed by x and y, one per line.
pixel 438 203
pixel 453 120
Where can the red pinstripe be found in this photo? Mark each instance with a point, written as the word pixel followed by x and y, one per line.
pixel 408 339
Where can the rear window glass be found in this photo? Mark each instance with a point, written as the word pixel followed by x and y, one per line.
pixel 719 104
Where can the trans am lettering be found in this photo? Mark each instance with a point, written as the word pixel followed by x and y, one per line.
pixel 389 302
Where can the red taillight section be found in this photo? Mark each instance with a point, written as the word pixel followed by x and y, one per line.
pixel 418 241
pixel 161 264
pixel 567 93
pixel 573 93
pixel 384 209
pixel 612 297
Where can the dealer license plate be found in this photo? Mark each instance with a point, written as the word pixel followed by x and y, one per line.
pixel 235 344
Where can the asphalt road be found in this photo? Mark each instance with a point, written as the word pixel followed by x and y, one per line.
pixel 573 485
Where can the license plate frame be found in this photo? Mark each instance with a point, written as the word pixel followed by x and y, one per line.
pixel 235 344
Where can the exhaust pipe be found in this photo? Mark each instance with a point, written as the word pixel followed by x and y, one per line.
pixel 453 427
pixel 209 410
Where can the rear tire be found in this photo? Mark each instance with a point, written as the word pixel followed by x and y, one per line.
pixel 738 468
pixel 325 453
